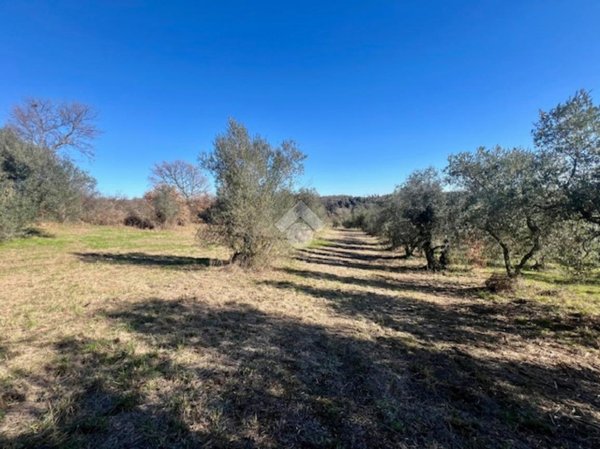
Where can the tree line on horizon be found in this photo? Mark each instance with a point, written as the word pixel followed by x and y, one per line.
pixel 521 206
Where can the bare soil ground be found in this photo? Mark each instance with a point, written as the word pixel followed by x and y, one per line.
pixel 118 338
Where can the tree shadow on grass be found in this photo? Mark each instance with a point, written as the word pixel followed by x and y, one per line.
pixel 349 263
pixel 4 351
pixel 96 389
pixel 480 323
pixel 37 232
pixel 425 320
pixel 347 254
pixel 349 258
pixel 352 239
pixel 351 244
pixel 363 246
pixel 149 260
pixel 233 376
pixel 383 282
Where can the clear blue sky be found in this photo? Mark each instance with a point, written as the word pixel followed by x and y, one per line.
pixel 370 90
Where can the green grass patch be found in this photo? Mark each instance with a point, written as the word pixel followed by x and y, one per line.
pixel 318 243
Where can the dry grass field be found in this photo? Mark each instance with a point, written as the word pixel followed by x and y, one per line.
pixel 120 338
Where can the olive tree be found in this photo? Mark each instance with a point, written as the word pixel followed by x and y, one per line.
pixel 568 139
pixel 375 219
pixel 254 181
pixel 575 246
pixel 418 214
pixel 505 199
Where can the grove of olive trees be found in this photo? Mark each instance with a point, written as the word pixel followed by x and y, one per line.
pixel 524 205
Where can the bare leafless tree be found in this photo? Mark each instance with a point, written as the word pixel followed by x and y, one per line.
pixel 55 126
pixel 187 178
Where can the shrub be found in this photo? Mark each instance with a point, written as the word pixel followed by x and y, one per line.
pixel 16 212
pixel 158 208
pixel 168 207
pixel 104 211
pixel 198 206
pixel 37 184
pixel 139 214
pixel 137 221
pixel 498 283
pixel 164 202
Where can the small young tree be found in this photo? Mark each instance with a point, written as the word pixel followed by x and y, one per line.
pixel 165 203
pixel 505 199
pixel 254 182
pixel 55 126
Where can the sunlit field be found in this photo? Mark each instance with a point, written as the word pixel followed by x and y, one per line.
pixel 120 338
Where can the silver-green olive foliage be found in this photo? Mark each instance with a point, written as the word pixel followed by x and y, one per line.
pixel 505 200
pixel 568 140
pixel 419 206
pixel 254 183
